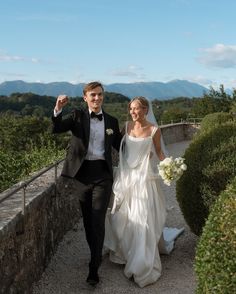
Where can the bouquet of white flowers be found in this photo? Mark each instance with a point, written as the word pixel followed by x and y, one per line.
pixel 171 169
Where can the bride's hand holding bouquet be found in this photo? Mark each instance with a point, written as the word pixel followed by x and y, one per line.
pixel 171 169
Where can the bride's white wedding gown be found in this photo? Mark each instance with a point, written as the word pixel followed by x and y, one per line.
pixel 134 228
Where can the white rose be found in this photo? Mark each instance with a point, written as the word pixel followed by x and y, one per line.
pixel 161 173
pixel 167 160
pixel 183 166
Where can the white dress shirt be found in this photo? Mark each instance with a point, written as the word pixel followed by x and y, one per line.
pixel 96 147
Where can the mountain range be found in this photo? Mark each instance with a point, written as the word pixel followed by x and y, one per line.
pixel 151 90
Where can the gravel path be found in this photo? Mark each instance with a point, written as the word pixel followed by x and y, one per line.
pixel 68 269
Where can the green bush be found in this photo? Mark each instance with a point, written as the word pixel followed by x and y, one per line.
pixel 211 165
pixel 16 166
pixel 11 166
pixel 214 119
pixel 19 133
pixel 26 145
pixel 215 262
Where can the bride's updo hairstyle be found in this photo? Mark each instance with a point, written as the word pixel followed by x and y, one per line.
pixel 141 100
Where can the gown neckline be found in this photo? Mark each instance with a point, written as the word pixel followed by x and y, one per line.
pixel 138 137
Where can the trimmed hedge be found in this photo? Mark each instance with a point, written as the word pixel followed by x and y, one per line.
pixel 214 119
pixel 211 165
pixel 215 262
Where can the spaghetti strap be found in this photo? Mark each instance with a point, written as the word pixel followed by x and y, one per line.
pixel 154 131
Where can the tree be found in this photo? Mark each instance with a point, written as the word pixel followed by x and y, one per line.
pixel 214 101
pixel 174 114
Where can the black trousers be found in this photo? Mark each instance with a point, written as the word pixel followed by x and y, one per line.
pixel 94 188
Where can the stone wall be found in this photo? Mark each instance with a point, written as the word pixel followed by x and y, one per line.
pixel 28 241
pixel 178 132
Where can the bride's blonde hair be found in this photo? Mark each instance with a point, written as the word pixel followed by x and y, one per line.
pixel 141 100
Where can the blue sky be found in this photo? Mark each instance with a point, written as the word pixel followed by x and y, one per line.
pixel 118 41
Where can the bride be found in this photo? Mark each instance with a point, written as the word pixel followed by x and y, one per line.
pixel 134 228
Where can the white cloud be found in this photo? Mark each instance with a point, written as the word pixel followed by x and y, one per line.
pixel 199 80
pixel 4 57
pixel 228 82
pixel 219 56
pixel 132 71
pixel 34 60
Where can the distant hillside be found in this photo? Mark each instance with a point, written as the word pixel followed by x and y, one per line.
pixel 42 105
pixel 152 90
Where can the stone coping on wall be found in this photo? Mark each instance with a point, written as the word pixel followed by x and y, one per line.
pixel 11 208
pixel 173 133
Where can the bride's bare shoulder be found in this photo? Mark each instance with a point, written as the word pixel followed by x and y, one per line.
pixel 153 127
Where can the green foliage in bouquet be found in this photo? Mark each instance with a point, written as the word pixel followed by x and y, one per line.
pixel 215 262
pixel 211 165
pixel 214 119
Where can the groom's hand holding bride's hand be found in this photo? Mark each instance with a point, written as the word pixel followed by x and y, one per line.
pixel 62 100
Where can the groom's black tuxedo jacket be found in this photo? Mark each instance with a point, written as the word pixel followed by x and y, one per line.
pixel 79 125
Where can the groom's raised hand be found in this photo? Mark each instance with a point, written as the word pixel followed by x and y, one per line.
pixel 62 100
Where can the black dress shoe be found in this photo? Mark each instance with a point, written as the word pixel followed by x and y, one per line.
pixel 93 278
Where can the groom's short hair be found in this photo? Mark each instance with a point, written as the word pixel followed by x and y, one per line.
pixel 91 86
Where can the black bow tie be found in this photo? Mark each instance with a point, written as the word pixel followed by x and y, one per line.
pixel 94 115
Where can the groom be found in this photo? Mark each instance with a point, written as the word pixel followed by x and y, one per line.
pixel 89 161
